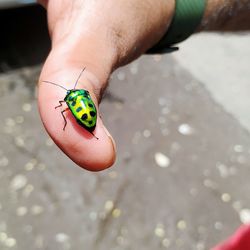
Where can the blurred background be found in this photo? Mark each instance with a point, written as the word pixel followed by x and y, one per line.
pixel 181 180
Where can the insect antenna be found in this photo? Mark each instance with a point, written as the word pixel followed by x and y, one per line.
pixel 56 85
pixel 79 77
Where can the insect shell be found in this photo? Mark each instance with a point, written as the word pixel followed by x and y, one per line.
pixel 81 105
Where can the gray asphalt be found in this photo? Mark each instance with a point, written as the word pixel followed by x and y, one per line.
pixel 181 180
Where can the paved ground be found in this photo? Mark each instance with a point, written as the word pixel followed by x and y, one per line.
pixel 181 180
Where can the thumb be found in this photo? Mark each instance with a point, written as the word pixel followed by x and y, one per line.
pixel 63 66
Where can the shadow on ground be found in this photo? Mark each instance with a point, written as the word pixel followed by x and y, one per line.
pixel 24 37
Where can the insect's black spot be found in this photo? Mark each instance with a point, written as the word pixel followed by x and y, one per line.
pixel 90 122
pixel 92 113
pixel 78 109
pixel 90 105
pixel 73 103
pixel 70 98
pixel 84 116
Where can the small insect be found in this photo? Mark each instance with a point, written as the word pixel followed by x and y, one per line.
pixel 81 106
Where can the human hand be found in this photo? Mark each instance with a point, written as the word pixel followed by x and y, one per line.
pixel 99 36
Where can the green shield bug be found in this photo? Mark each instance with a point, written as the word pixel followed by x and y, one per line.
pixel 80 104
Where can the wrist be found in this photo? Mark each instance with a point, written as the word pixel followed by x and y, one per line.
pixel 209 19
pixel 224 15
pixel 187 17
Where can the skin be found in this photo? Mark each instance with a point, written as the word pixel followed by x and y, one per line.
pixel 226 15
pixel 102 36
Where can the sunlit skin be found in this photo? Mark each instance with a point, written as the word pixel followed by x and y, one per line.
pixel 87 34
pixel 102 36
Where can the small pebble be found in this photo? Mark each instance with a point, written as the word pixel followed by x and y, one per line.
pixel 27 190
pixel 182 225
pixel 4 161
pixel 238 148
pixel 18 182
pixel 226 197
pixel 3 236
pixel 218 225
pixel 146 133
pixel 245 216
pixel 10 242
pixel 26 107
pixel 21 211
pixel 185 129
pixel 159 230
pixel 109 205
pixel 162 160
pixel 165 242
pixel 36 209
pixel 61 237
pixel 116 213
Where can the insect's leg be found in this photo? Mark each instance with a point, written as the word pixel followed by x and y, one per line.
pixel 64 118
pixel 94 135
pixel 60 104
